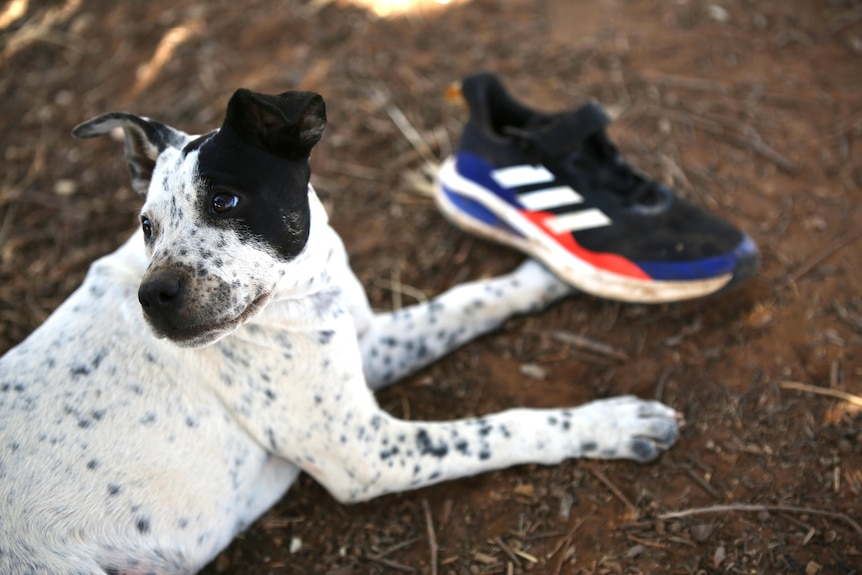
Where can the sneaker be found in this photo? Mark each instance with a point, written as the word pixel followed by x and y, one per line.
pixel 554 187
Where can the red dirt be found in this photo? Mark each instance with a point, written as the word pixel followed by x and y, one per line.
pixel 753 109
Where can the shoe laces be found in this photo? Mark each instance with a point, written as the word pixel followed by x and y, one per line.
pixel 591 153
pixel 638 191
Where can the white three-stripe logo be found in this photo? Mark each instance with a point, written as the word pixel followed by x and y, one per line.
pixel 553 196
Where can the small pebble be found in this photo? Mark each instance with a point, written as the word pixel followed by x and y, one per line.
pixel 295 544
pixel 65 187
pixel 701 532
pixel 534 371
pixel 718 13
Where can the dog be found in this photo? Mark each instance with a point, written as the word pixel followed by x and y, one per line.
pixel 227 346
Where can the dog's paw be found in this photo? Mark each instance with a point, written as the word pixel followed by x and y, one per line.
pixel 628 428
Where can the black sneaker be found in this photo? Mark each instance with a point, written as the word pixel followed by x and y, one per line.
pixel 556 188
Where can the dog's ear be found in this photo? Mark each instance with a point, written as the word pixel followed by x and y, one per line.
pixel 287 125
pixel 145 140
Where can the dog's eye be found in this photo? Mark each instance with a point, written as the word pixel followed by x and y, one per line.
pixel 146 227
pixel 224 202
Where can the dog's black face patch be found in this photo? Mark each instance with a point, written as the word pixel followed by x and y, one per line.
pixel 254 192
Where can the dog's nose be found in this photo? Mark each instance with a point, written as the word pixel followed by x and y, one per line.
pixel 161 294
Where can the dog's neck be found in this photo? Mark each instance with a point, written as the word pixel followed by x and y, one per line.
pixel 313 282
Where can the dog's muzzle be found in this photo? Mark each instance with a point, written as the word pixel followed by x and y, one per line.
pixel 192 311
pixel 163 300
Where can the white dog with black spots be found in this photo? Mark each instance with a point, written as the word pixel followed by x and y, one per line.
pixel 227 346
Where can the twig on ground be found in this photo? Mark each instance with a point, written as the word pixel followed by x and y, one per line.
pixel 836 393
pixel 412 135
pixel 585 343
pixel 852 319
pixel 660 384
pixel 499 542
pixel 432 539
pixel 392 564
pixel 281 522
pixel 703 483
pixel 686 82
pixel 613 488
pixel 564 543
pixel 820 256
pixel 393 548
pixel 744 135
pixel 756 508
pixel 398 289
pixel 755 141
pixel 645 542
pixel 169 43
pixel 45 28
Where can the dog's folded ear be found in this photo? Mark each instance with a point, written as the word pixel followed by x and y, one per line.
pixel 287 125
pixel 145 140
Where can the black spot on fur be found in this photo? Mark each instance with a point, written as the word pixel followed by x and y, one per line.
pixel 143 525
pixel 387 453
pixel 79 371
pixel 98 358
pixel 426 447
pixel 270 435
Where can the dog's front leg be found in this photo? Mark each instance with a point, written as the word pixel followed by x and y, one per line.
pixel 321 416
pixel 373 453
pixel 398 343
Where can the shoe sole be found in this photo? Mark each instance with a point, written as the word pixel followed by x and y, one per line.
pixel 498 221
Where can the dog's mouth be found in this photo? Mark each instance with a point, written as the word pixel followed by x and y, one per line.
pixel 206 333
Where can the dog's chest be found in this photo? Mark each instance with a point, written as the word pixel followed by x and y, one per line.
pixel 272 372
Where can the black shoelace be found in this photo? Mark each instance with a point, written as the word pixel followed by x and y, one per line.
pixel 594 154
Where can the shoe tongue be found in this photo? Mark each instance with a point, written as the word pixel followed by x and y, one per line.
pixel 558 134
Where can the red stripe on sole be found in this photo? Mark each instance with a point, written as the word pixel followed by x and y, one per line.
pixel 607 262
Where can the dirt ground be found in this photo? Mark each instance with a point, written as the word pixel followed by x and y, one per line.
pixel 751 108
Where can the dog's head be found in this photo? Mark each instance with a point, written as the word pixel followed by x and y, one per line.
pixel 225 214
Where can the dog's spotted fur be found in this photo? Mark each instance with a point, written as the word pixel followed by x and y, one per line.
pixel 178 393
